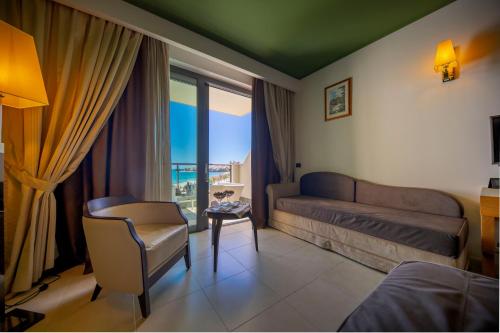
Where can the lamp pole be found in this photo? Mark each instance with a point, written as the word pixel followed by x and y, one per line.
pixel 1 126
pixel 2 249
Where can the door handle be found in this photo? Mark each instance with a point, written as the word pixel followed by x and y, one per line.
pixel 206 172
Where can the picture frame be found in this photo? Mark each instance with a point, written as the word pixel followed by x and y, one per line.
pixel 338 100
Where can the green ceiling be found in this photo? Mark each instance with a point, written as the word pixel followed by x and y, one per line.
pixel 296 37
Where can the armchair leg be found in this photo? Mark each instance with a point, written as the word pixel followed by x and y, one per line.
pixel 187 257
pixel 96 292
pixel 144 303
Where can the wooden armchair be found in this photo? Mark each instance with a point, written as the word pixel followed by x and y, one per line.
pixel 132 243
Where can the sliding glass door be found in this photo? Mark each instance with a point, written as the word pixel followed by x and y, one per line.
pixel 229 145
pixel 184 114
pixel 190 125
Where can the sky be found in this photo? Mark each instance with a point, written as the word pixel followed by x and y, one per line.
pixel 229 135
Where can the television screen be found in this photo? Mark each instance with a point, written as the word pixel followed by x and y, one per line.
pixel 495 137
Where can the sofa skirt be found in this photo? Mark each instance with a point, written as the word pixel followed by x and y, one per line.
pixel 374 252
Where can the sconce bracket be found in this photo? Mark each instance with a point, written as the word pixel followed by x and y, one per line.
pixel 448 73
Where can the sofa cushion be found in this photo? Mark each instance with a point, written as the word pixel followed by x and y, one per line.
pixel 408 198
pixel 162 241
pixel 425 297
pixel 328 185
pixel 429 232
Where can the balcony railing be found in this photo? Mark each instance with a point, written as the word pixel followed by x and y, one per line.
pixel 179 168
pixel 184 179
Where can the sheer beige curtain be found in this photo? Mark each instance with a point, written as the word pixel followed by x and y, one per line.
pixel 278 102
pixel 86 63
pixel 156 98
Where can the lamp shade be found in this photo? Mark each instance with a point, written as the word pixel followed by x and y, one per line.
pixel 445 54
pixel 21 82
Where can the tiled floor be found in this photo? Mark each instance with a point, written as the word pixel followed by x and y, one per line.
pixel 290 285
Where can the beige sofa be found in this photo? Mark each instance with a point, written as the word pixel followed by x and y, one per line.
pixel 376 225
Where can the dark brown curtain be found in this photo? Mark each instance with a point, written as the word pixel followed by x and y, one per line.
pixel 114 166
pixel 264 170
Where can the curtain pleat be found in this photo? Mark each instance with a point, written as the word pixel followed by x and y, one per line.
pixel 131 153
pixel 279 113
pixel 264 170
pixel 157 101
pixel 86 63
pixel 114 166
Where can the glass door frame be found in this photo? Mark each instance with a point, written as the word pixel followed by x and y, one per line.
pixel 202 141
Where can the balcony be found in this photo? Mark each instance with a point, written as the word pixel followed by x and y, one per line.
pixel 233 176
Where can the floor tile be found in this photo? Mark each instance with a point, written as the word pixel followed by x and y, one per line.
pixel 176 283
pixel 240 298
pixel 111 312
pixel 247 256
pixel 283 277
pixel 268 233
pixel 280 244
pixel 322 305
pixel 234 240
pixel 248 233
pixel 237 227
pixel 71 286
pixel 289 285
pixel 261 233
pixel 313 259
pixel 355 279
pixel 201 235
pixel 62 298
pixel 200 245
pixel 280 317
pixel 203 269
pixel 187 314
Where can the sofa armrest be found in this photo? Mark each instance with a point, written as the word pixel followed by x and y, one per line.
pixel 147 212
pixel 276 191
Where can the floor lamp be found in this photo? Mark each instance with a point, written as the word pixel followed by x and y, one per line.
pixel 21 86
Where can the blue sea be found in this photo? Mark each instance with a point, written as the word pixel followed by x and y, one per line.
pixel 190 176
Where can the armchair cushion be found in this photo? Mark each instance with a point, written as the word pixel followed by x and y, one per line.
pixel 162 241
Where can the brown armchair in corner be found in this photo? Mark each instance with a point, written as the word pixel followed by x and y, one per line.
pixel 132 243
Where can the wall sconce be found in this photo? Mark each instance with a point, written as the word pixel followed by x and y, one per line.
pixel 446 60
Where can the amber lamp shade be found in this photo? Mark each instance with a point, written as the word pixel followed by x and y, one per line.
pixel 21 82
pixel 445 60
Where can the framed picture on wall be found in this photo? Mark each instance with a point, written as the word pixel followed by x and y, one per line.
pixel 338 100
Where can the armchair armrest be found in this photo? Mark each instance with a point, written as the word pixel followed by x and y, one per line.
pixel 116 252
pixel 276 191
pixel 147 212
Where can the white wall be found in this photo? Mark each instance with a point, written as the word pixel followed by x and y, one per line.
pixel 408 128
pixel 246 176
